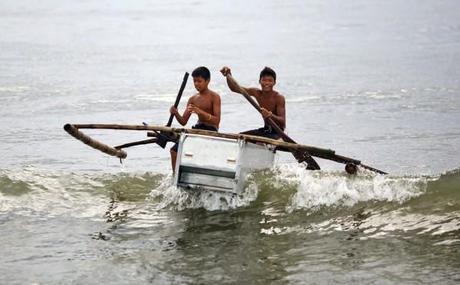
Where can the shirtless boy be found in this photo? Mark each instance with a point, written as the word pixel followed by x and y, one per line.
pixel 271 102
pixel 205 104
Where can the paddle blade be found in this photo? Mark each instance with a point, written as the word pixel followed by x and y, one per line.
pixel 303 156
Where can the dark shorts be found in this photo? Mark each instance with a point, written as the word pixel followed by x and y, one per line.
pixel 199 126
pixel 266 132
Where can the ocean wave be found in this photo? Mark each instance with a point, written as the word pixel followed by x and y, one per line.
pixel 33 191
pixel 373 206
pixel 285 189
pixel 318 189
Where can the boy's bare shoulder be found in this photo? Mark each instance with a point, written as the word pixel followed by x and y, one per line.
pixel 278 95
pixel 253 91
pixel 193 97
pixel 214 94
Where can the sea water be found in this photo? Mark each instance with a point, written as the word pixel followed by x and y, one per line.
pixel 374 80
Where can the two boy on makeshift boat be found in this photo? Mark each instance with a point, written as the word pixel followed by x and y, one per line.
pixel 207 104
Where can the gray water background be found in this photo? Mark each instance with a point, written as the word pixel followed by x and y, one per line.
pixel 374 80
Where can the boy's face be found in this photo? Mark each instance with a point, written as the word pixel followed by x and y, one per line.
pixel 200 83
pixel 267 82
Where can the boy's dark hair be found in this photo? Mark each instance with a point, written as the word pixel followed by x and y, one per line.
pixel 202 72
pixel 267 71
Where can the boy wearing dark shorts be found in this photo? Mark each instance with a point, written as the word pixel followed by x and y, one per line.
pixel 272 104
pixel 205 104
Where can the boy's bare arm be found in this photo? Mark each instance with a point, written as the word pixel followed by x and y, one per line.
pixel 280 117
pixel 215 118
pixel 184 118
pixel 233 85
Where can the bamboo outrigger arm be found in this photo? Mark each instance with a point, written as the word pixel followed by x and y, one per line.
pixel 73 131
pixel 328 154
pixel 280 145
pixel 170 133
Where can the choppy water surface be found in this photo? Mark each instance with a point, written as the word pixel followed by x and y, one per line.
pixel 290 226
pixel 377 81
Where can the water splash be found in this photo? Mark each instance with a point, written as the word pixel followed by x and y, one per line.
pixel 317 189
pixel 33 191
pixel 169 196
pixel 370 206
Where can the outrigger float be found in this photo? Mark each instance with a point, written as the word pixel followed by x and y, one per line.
pixel 217 161
pixel 212 160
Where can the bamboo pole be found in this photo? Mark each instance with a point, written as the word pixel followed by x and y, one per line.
pixel 73 131
pixel 136 143
pixel 281 145
pixel 284 146
pixel 290 146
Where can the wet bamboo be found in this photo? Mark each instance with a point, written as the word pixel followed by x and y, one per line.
pixel 290 146
pixel 73 131
pixel 316 151
pixel 282 145
pixel 136 143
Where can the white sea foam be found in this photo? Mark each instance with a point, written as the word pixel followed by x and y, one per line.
pixel 52 194
pixel 378 225
pixel 301 99
pixel 164 97
pixel 319 188
pixel 168 195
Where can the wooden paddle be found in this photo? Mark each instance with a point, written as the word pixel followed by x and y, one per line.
pixel 162 139
pixel 300 155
